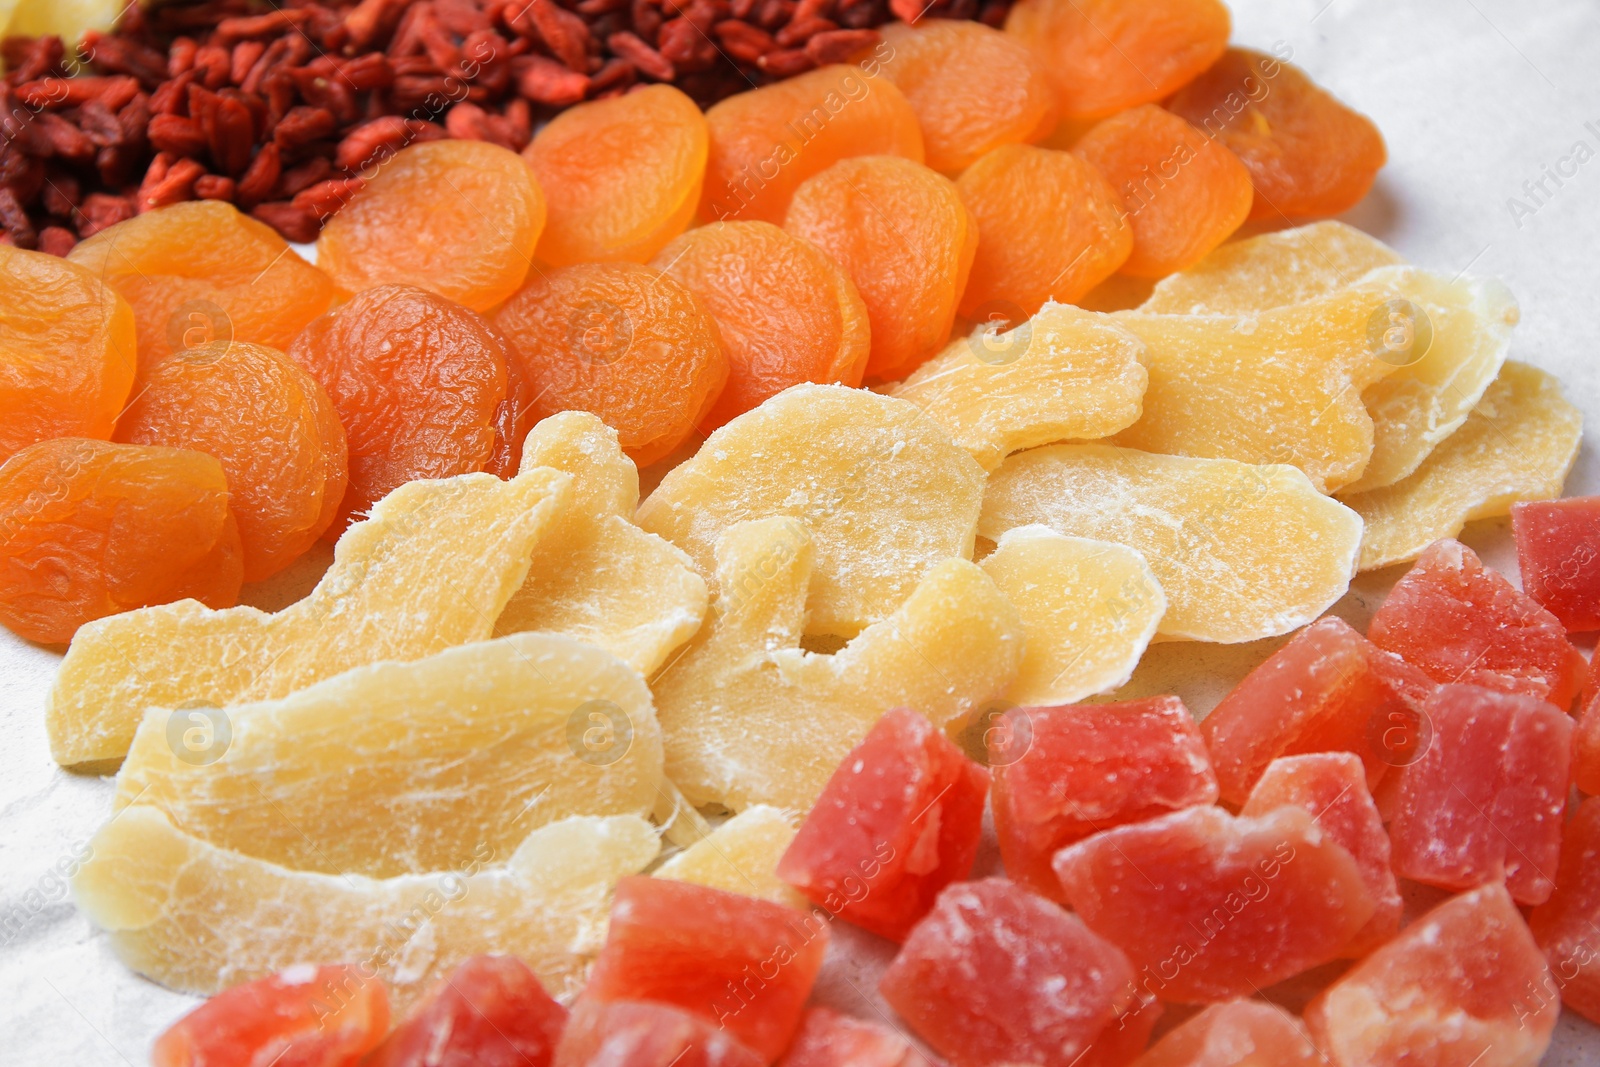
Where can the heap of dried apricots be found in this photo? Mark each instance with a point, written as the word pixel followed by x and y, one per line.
pixel 845 616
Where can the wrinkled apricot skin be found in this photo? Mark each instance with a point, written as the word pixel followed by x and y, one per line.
pixel 66 351
pixel 269 424
pixel 623 341
pixel 417 381
pixel 786 312
pixel 425 219
pixel 1308 154
pixel 89 529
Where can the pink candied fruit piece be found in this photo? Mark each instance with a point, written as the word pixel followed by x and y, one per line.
pixel 829 1039
pixel 899 820
pixel 1211 906
pixel 1235 1033
pixel 303 1016
pixel 1586 748
pixel 622 1033
pixel 1332 787
pixel 1328 690
pixel 743 964
pixel 1462 986
pixel 1567 926
pixel 1461 622
pixel 1558 550
pixel 1083 768
pixel 490 1012
pixel 1485 801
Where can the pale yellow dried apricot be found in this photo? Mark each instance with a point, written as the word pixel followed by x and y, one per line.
pixel 741 856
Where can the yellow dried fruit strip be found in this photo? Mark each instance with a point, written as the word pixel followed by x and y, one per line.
pixel 741 856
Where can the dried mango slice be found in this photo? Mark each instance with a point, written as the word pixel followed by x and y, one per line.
pixel 1089 609
pixel 885 493
pixel 405 768
pixel 1064 374
pixel 749 718
pixel 741 856
pixel 432 568
pixel 1214 531
pixel 198 919
pixel 597 576
pixel 1518 444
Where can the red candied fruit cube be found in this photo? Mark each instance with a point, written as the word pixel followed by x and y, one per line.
pixel 1459 987
pixel 1586 749
pixel 490 1012
pixel 1236 1033
pixel 1328 690
pixel 899 820
pixel 1088 767
pixel 1462 622
pixel 303 1016
pixel 1211 906
pixel 622 1033
pixel 996 974
pixel 1485 801
pixel 1567 926
pixel 745 965
pixel 829 1039
pixel 1558 549
pixel 1333 790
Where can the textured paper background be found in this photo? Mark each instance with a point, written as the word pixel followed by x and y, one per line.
pixel 1475 97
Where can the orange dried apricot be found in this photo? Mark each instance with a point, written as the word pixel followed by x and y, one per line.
pixel 623 341
pixel 1107 55
pixel 458 218
pixel 1307 153
pixel 1184 194
pixel 1050 228
pixel 622 176
pixel 417 381
pixel 767 141
pixel 905 238
pixel 267 422
pixel 787 312
pixel 89 528
pixel 201 271
pixel 66 351
pixel 973 88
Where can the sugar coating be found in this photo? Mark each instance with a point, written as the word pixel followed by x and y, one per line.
pixel 740 856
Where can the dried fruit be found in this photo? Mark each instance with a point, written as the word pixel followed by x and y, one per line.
pixel 489 1012
pixel 828 1039
pixel 740 856
pixel 642 1034
pixel 1586 748
pixel 1564 926
pixel 1558 555
pixel 1235 1033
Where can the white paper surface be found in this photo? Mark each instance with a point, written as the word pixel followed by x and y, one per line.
pixel 1475 98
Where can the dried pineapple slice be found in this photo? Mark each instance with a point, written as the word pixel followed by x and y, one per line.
pixel 432 568
pixel 749 718
pixel 1241 551
pixel 1065 374
pixel 198 919
pixel 1089 609
pixel 741 856
pixel 884 491
pixel 405 768
pixel 597 576
pixel 1518 444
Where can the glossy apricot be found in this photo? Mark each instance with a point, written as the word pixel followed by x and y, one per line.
pixel 787 312
pixel 458 218
pixel 905 238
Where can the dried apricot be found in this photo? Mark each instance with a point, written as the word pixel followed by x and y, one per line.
pixel 88 529
pixel 458 218
pixel 787 313
pixel 623 341
pixel 1184 194
pixel 267 422
pixel 1307 153
pixel 905 238
pixel 417 380
pixel 621 176
pixel 1050 228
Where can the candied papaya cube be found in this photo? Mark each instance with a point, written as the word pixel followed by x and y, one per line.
pixel 1235 1033
pixel 304 1015
pixel 743 965
pixel 490 1012
pixel 622 1033
pixel 829 1039
pixel 1567 926
pixel 899 820
pixel 1452 990
pixel 1485 801
pixel 996 974
pixel 1558 549
pixel 1209 905
pixel 1064 773
pixel 1586 748
pixel 1462 622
